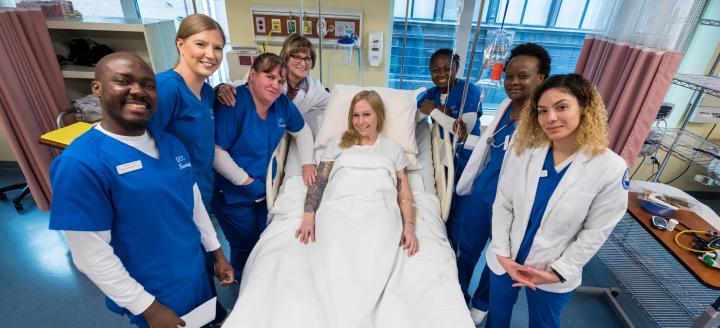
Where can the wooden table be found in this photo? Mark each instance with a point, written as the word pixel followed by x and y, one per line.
pixel 706 275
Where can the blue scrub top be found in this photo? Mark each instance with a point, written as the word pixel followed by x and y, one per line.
pixel 486 182
pixel 453 101
pixel 545 188
pixel 191 120
pixel 148 211
pixel 250 140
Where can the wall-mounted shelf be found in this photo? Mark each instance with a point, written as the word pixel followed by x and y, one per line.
pixel 708 84
pixel 151 39
pixel 711 22
pixel 689 147
pixel 78 72
pixel 683 144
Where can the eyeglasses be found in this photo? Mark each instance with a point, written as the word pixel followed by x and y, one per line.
pixel 297 59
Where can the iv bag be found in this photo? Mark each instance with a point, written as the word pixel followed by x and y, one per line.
pixel 494 57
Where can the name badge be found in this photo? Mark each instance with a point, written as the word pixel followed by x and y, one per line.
pixel 129 167
pixel 506 144
pixel 543 173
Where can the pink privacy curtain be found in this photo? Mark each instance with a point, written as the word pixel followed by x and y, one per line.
pixel 32 93
pixel 633 82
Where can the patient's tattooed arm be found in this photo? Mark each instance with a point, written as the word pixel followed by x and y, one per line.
pixel 315 192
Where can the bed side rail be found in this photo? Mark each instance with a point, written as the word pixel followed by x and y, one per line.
pixel 442 155
pixel 272 185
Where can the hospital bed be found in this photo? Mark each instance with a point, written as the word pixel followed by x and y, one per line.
pixel 423 291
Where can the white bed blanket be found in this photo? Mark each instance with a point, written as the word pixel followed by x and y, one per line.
pixel 355 275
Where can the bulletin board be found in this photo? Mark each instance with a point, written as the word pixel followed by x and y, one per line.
pixel 274 23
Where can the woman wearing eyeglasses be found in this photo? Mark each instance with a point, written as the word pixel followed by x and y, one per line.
pixel 306 92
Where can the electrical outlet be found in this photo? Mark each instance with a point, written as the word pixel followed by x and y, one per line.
pixel 260 24
pixel 276 26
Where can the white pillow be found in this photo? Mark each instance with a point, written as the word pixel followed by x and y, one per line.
pixel 400 110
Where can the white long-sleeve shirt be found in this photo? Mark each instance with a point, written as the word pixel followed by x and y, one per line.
pixel 226 166
pixel 93 255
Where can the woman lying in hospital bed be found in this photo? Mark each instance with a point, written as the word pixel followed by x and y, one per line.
pixel 355 274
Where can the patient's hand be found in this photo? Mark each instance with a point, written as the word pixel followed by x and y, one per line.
pixel 409 240
pixel 309 173
pixel 427 106
pixel 306 232
pixel 226 94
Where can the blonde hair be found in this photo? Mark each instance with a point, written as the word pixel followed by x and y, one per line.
pixel 296 43
pixel 351 137
pixel 592 133
pixel 194 24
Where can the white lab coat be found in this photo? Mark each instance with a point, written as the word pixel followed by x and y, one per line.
pixel 582 212
pixel 478 158
pixel 312 104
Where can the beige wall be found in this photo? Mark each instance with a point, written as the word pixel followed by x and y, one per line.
pixel 377 16
pixel 5 153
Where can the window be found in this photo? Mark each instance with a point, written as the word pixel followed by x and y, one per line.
pixel 558 25
pixel 98 8
pixel 514 11
pixel 536 12
pixel 423 9
pixel 568 16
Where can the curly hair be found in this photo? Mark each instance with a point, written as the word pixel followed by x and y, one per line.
pixel 533 50
pixel 592 133
pixel 351 137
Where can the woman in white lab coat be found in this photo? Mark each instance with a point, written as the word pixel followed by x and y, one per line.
pixel 560 194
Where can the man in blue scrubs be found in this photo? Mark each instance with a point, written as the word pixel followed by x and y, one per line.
pixel 132 213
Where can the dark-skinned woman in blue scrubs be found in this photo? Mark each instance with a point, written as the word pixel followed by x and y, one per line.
pixel 469 223
pixel 246 135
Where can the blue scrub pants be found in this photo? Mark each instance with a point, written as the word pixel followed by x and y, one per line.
pixel 543 307
pixel 242 225
pixel 469 229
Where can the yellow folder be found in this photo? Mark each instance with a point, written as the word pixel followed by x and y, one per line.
pixel 64 136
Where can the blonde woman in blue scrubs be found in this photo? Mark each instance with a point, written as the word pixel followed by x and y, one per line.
pixel 185 102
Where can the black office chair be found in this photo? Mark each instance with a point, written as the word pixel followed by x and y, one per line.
pixel 24 189
pixel 17 200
